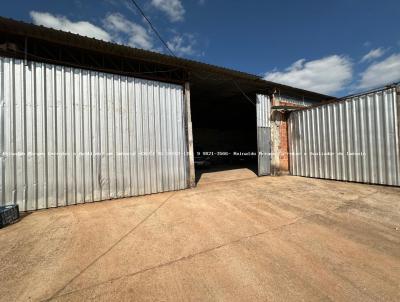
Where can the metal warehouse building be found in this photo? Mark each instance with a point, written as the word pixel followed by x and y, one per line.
pixel 83 120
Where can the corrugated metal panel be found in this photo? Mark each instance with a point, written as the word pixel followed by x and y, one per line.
pixel 263 108
pixel 264 150
pixel 353 140
pixel 71 136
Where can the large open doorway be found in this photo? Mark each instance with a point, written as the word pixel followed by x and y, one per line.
pixel 224 128
pixel 230 118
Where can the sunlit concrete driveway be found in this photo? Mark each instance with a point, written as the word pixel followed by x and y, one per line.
pixel 235 237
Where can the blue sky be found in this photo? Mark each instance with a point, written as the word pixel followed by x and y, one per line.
pixel 333 47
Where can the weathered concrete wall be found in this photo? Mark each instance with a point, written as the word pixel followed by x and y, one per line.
pixel 284 144
pixel 279 138
pixel 276 120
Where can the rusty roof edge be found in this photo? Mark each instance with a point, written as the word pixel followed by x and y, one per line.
pixel 394 85
pixel 8 25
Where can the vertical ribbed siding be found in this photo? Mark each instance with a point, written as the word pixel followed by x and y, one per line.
pixel 354 140
pixel 70 136
pixel 263 108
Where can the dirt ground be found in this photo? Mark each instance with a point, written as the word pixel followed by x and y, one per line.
pixel 234 237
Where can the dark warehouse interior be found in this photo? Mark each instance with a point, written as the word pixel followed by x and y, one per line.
pixel 224 126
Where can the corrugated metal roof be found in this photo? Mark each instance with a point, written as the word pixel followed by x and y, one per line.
pixel 10 26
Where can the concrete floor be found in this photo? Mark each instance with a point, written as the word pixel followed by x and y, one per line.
pixel 235 237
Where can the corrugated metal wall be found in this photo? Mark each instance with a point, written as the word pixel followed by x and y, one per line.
pixel 354 140
pixel 263 108
pixel 71 136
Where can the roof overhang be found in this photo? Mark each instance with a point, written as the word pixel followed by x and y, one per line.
pixel 20 39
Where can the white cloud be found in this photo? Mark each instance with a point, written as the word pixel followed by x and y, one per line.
pixel 327 75
pixel 381 73
pixel 183 45
pixel 118 29
pixel 127 32
pixel 83 28
pixel 373 54
pixel 367 44
pixel 173 8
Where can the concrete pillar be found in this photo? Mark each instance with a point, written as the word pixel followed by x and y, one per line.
pixel 274 124
pixel 279 140
pixel 275 142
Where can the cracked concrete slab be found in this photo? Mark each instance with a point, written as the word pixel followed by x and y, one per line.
pixel 234 237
